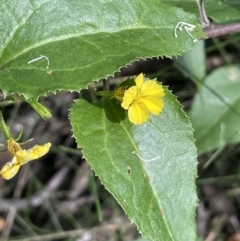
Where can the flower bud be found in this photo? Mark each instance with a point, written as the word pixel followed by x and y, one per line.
pixel 42 110
pixel 119 93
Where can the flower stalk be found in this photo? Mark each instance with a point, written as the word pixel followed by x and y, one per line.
pixel 5 129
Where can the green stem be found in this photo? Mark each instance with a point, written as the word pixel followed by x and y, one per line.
pixel 4 127
pixel 104 93
pixel 95 194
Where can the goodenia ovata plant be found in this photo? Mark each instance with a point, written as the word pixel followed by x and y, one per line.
pixel 47 46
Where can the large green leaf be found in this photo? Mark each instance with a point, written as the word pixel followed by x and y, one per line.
pixel 192 63
pixel 220 11
pixel 215 111
pixel 83 40
pixel 159 196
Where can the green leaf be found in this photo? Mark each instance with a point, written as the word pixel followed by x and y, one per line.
pixel 83 40
pixel 159 196
pixel 220 11
pixel 215 111
pixel 192 63
pixel 141 239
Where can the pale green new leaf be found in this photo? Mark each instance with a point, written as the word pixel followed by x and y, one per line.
pixel 158 196
pixel 83 40
pixel 215 111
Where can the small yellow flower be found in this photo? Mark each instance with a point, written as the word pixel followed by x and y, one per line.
pixel 21 157
pixel 143 98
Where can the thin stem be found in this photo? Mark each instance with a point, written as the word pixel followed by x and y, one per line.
pixel 74 233
pixel 106 84
pixel 215 30
pixel 202 12
pixel 4 127
pixel 222 50
pixel 105 93
pixel 214 156
pixel 96 197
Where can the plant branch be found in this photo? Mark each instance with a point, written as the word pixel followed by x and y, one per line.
pixel 215 30
pixel 203 15
pixel 219 30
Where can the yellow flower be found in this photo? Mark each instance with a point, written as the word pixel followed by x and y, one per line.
pixel 21 157
pixel 143 98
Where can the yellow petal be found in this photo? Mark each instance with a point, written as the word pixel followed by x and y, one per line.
pixel 9 170
pixel 129 96
pixel 33 153
pixel 13 146
pixel 152 88
pixel 21 157
pixel 138 113
pixel 139 80
pixel 153 104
